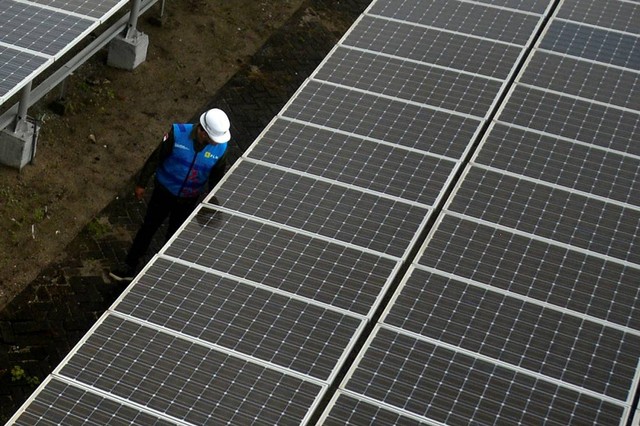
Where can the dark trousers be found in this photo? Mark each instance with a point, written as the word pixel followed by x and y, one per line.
pixel 162 204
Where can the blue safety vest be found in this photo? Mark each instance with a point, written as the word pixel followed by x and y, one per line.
pixel 185 172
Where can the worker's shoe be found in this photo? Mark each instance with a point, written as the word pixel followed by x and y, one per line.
pixel 125 274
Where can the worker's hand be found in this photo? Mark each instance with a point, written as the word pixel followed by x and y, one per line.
pixel 138 192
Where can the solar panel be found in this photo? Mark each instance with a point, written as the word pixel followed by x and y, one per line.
pixel 40 30
pixel 17 66
pixel 583 79
pixel 524 334
pixel 451 50
pixel 36 33
pixel 61 403
pixel 536 6
pixel 537 269
pixel 614 15
pixel 516 144
pixel 475 19
pixel 423 84
pixel 582 120
pixel 601 45
pixel 378 167
pixel 184 380
pixel 575 166
pixel 273 327
pixel 98 9
pixel 356 217
pixel 453 387
pixel 304 265
pixel 345 409
pixel 609 229
pixel 383 119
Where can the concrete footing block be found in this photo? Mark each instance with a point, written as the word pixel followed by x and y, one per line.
pixel 17 148
pixel 128 53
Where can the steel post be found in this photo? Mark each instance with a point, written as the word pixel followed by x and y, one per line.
pixel 133 20
pixel 23 106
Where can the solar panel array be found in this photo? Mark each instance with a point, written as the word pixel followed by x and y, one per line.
pixel 35 33
pixel 521 304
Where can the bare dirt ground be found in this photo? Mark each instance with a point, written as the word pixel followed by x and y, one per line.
pixel 113 120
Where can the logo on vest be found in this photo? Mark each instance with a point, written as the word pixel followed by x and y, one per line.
pixel 209 155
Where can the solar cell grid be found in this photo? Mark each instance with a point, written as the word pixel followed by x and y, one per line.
pixel 265 325
pixel 382 119
pixel 185 380
pixel 604 228
pixel 379 167
pixel 45 31
pixel 308 267
pixel 360 218
pixel 537 6
pixel 525 335
pixel 583 79
pixel 572 118
pixel 596 44
pixel 455 51
pixel 574 166
pixel 454 388
pixel 617 15
pixel 419 83
pixel 15 67
pixel 347 410
pixel 62 404
pixel 465 17
pixel 94 8
pixel 586 284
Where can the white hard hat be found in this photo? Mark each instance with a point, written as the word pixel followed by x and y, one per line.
pixel 216 123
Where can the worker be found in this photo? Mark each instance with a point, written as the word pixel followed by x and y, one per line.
pixel 187 158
